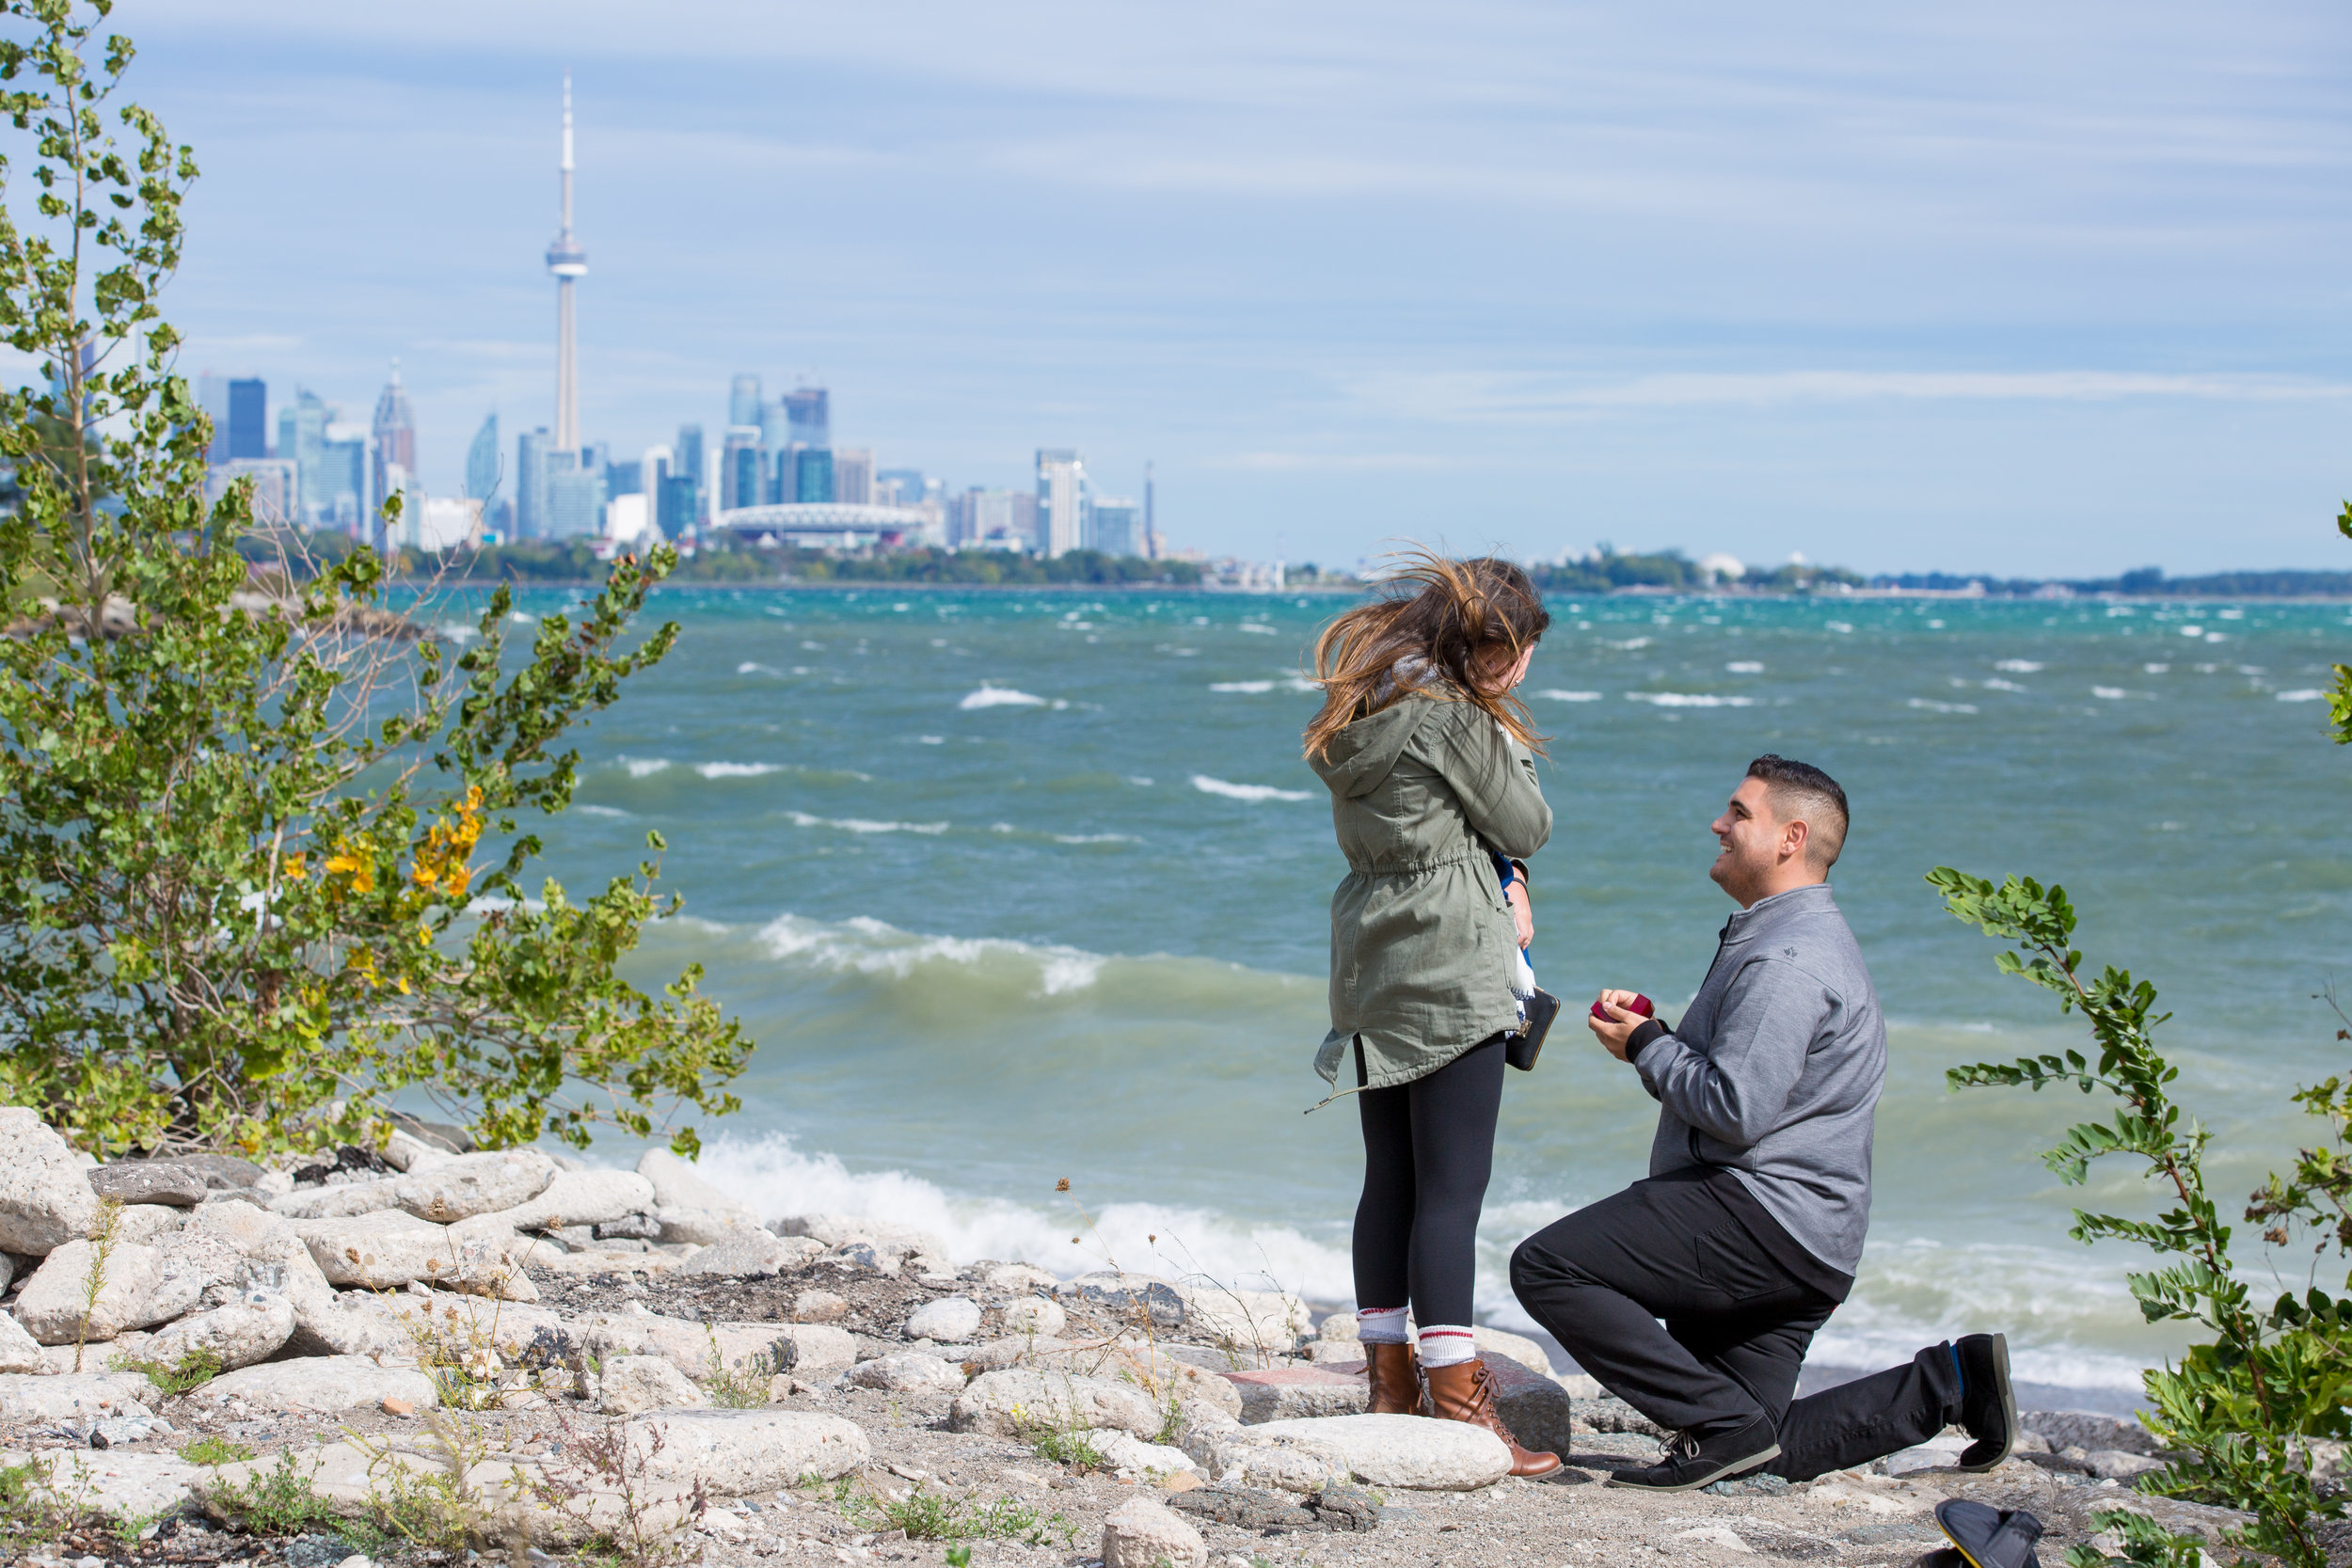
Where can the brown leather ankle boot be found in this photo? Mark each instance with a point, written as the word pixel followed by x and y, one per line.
pixel 1466 1392
pixel 1394 1372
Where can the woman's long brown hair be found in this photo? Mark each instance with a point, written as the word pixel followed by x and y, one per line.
pixel 1439 630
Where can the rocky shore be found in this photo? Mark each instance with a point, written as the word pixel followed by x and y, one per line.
pixel 436 1355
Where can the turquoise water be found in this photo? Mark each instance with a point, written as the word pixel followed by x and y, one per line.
pixel 1012 888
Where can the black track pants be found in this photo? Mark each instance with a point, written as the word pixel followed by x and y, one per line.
pixel 1735 1332
pixel 1429 1146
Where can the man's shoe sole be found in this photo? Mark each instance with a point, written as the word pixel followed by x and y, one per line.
pixel 2009 1408
pixel 1724 1472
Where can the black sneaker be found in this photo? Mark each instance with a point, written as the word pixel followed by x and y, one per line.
pixel 1988 1409
pixel 1690 1463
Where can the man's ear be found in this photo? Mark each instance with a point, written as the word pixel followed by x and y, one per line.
pixel 1795 835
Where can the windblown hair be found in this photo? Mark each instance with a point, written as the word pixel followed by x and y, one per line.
pixel 1438 633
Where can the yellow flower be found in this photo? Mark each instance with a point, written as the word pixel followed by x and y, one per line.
pixel 296 866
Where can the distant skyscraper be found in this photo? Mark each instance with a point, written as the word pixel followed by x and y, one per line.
pixel 569 263
pixel 482 461
pixel 211 395
pixel 531 483
pixel 813 474
pixel 302 440
pixel 574 497
pixel 743 399
pixel 854 476
pixel 1114 526
pixel 395 433
pixel 808 413
pixel 688 466
pixel 249 419
pixel 342 482
pixel 775 427
pixel 740 466
pixel 1061 478
pixel 900 487
pixel 1151 519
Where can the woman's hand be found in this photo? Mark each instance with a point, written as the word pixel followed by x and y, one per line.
pixel 1522 916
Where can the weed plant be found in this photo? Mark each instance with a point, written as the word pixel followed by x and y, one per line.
pixel 209 1449
pixel 101 1243
pixel 601 1464
pixel 934 1516
pixel 743 1386
pixel 192 1371
pixel 279 1500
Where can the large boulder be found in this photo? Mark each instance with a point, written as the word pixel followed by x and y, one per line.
pixel 351 1322
pixel 147 1181
pixel 1533 1404
pixel 1006 1403
pixel 1033 1316
pixel 1294 1393
pixel 677 1185
pixel 899 1240
pixel 19 1351
pixel 115 1482
pixel 1405 1452
pixel 629 1384
pixel 683 1223
pixel 53 1302
pixel 327 1203
pixel 475 1184
pixel 318 1386
pixel 250 1329
pixel 147 1222
pixel 229 1246
pixel 1143 1532
pixel 387 1251
pixel 1267 1321
pixel 951 1320
pixel 45 1200
pixel 78 1398
pixel 692 1347
pixel 739 1452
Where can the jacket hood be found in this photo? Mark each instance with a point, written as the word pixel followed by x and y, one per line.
pixel 1362 753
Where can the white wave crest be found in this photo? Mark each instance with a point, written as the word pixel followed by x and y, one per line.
pixel 1688 699
pixel 2020 666
pixel 1745 667
pixel 2110 693
pixel 866 825
pixel 864 945
pixel 1250 688
pixel 1559 696
pixel 1839 627
pixel 1207 785
pixel 736 769
pixel 641 767
pixel 2304 694
pixel 998 696
pixel 749 668
pixel 1931 705
pixel 1631 642
pixel 599 811
pixel 1260 630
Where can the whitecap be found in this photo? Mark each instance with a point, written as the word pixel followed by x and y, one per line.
pixel 1260 630
pixel 2155 668
pixel 736 769
pixel 1688 699
pixel 1931 705
pixel 2110 693
pixel 1250 688
pixel 1843 626
pixel 931 739
pixel 2020 666
pixel 2192 631
pixel 750 667
pixel 520 619
pixel 1559 696
pixel 599 811
pixel 2304 694
pixel 998 696
pixel 1633 644
pixel 2001 685
pixel 1207 785
pixel 866 825
pixel 864 945
pixel 640 767
pixel 1745 667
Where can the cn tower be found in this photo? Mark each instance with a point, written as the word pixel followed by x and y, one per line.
pixel 567 261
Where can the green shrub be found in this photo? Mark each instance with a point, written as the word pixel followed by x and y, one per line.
pixel 209 1450
pixel 275 1501
pixel 2240 1409
pixel 266 845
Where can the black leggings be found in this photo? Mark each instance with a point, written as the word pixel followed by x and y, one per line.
pixel 1429 1146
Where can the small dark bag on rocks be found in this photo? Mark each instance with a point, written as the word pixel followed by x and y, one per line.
pixel 1522 1047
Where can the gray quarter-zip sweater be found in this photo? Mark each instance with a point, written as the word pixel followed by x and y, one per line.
pixel 1775 1072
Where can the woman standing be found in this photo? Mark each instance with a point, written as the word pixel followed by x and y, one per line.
pixel 1430 762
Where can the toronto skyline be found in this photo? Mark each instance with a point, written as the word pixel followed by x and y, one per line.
pixel 2016 293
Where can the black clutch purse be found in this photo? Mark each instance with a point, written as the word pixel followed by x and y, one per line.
pixel 1522 1047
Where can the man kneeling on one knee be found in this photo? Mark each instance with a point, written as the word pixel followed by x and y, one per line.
pixel 1745 1237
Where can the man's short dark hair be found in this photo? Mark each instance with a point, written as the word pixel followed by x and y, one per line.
pixel 1801 789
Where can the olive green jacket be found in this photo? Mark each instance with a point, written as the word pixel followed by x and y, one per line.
pixel 1421 941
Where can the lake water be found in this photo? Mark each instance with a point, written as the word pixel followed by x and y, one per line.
pixel 1013 888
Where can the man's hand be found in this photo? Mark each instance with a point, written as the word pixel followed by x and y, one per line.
pixel 1522 917
pixel 1621 1024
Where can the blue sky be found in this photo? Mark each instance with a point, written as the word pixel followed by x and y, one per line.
pixel 2015 288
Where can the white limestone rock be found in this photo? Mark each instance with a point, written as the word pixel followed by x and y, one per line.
pixel 32 1398
pixel 113 1481
pixel 741 1452
pixel 1127 1293
pixel 1034 1315
pixel 474 1185
pixel 741 1253
pixel 51 1306
pixel 1018 1277
pixel 948 1320
pixel 584 1197
pixel 633 1384
pixel 907 1372
pixel 318 1386
pixel 900 1241
pixel 252 1328
pixel 1142 1533
pixel 19 1351
pixel 990 1402
pixel 45 1200
pixel 328 1203
pixel 351 1322
pixel 1403 1452
pixel 393 1248
pixel 1130 1455
pixel 1269 1320
pixel 677 1185
pixel 149 1222
pixel 1342 1326
pixel 701 1227
pixel 405 1151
